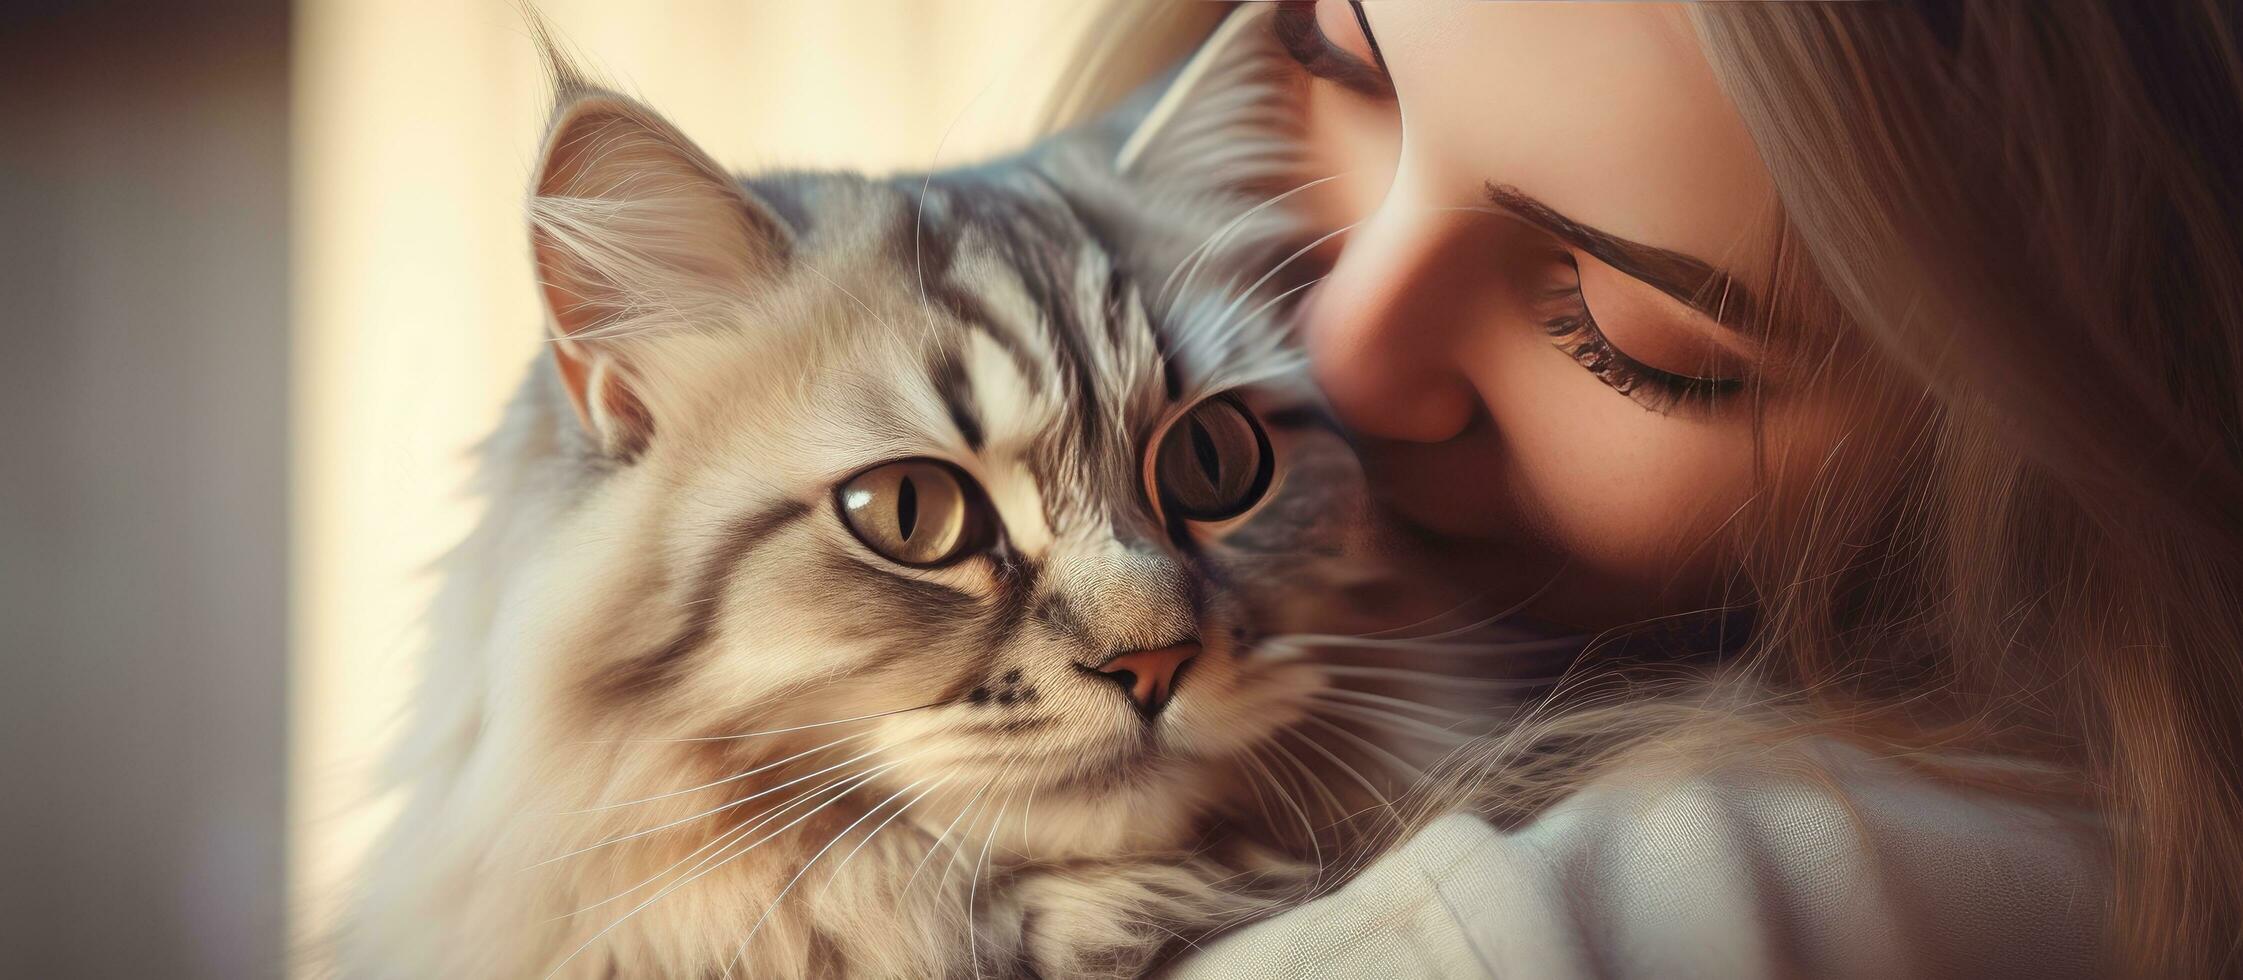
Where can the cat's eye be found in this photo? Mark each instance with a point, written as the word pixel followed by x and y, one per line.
pixel 1214 463
pixel 915 512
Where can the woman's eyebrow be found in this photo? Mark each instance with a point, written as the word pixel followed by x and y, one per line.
pixel 1298 32
pixel 1695 282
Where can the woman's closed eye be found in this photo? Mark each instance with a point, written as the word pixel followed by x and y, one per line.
pixel 1647 349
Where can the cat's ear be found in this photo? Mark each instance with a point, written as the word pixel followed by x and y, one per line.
pixel 635 231
pixel 1230 117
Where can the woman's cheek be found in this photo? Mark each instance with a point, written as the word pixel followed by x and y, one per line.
pixel 1637 502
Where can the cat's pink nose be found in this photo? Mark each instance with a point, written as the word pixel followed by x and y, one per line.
pixel 1149 675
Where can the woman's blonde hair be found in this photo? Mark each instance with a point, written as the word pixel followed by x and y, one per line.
pixel 2024 215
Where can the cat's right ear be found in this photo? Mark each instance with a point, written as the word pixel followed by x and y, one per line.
pixel 635 232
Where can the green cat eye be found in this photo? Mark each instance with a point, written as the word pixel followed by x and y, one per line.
pixel 1214 463
pixel 915 512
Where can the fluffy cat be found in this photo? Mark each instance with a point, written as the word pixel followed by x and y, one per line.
pixel 886 577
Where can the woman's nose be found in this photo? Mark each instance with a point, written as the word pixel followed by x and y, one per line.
pixel 1378 340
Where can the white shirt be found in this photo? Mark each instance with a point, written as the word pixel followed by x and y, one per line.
pixel 1868 870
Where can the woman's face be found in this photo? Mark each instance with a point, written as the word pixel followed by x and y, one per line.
pixel 1535 319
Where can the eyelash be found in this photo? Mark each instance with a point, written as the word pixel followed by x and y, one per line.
pixel 1576 333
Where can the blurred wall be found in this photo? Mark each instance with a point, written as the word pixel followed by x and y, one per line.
pixel 143 344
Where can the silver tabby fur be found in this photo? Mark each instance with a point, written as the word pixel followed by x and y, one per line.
pixel 677 722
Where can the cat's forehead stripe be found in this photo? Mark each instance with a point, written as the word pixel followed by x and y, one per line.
pixel 1015 262
pixel 956 391
pixel 931 245
pixel 1004 306
pixel 1005 400
pixel 1052 355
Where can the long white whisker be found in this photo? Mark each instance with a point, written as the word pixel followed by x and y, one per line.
pixel 1349 694
pixel 728 859
pixel 1398 703
pixel 1369 746
pixel 1197 256
pixel 777 731
pixel 1345 642
pixel 1432 677
pixel 744 829
pixel 1261 802
pixel 707 813
pixel 1331 801
pixel 1512 610
pixel 883 825
pixel 1383 802
pixel 1274 300
pixel 805 869
pixel 1003 770
pixel 1403 630
pixel 1280 267
pixel 939 838
pixel 1394 722
pixel 1285 796
pixel 973 886
pixel 720 782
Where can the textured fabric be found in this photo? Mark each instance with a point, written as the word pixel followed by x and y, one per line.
pixel 1847 868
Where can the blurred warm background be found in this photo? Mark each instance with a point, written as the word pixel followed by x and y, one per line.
pixel 263 283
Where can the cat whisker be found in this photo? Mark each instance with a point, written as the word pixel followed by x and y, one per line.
pixel 1512 610
pixel 1197 257
pixel 1346 694
pixel 973 886
pixel 781 731
pixel 972 944
pixel 926 185
pixel 1332 806
pixel 1285 796
pixel 1029 812
pixel 1434 677
pixel 728 859
pixel 1340 641
pixel 1221 331
pixel 1400 633
pixel 805 869
pixel 1384 803
pixel 1403 631
pixel 1004 772
pixel 746 827
pixel 883 825
pixel 1261 802
pixel 1414 771
pixel 706 813
pixel 1225 316
pixel 728 779
pixel 1397 723
pixel 939 838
